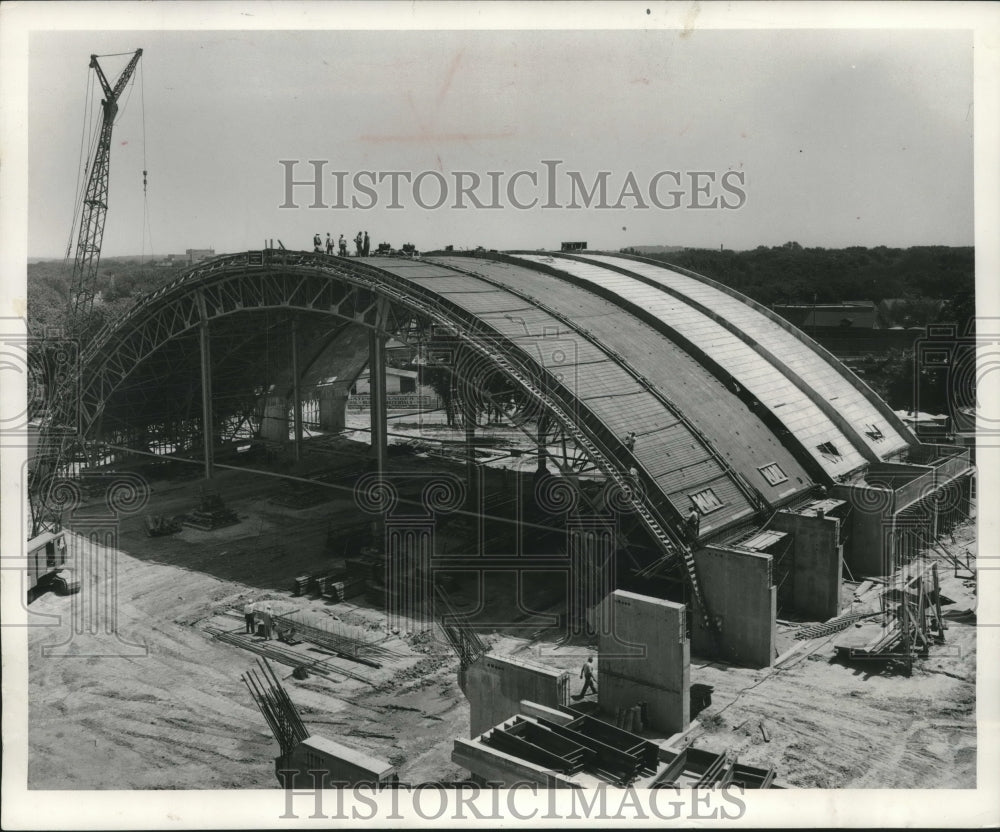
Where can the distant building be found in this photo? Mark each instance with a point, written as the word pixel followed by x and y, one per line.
pixel 857 314
pixel 196 255
pixel 908 312
pixel 573 246
pixel 396 381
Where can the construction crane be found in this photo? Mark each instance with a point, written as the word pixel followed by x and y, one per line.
pixel 54 446
pixel 95 202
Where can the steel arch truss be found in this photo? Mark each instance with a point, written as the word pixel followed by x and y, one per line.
pixel 364 294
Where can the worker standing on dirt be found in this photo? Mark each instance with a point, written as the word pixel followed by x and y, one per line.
pixel 267 621
pixel 587 674
pixel 248 615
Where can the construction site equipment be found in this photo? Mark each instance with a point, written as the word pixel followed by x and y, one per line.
pixel 276 706
pixel 46 555
pixel 212 513
pixel 55 441
pixel 61 586
pixel 911 619
pixel 159 526
pixel 301 584
pixel 95 201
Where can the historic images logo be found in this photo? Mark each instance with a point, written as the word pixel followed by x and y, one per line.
pixel 548 186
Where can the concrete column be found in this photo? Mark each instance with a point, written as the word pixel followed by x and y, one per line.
pixel 542 453
pixel 333 406
pixel 377 395
pixel 296 391
pixel 471 469
pixel 206 398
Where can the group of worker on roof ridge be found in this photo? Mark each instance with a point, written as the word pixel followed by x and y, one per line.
pixel 361 242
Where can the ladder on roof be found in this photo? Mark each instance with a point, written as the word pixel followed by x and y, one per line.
pixel 491 346
pixel 671 542
pixel 668 540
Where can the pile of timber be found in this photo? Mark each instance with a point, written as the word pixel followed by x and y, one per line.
pixel 343 589
pixel 337 586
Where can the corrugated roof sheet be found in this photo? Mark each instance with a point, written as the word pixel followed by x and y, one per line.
pixel 795 409
pixel 811 366
pixel 681 462
pixel 696 392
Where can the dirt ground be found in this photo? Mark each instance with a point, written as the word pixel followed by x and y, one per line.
pixel 176 715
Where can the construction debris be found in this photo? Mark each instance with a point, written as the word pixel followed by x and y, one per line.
pixel 911 619
pixel 834 625
pixel 212 513
pixel 159 526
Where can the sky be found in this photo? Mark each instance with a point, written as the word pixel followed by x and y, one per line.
pixel 830 137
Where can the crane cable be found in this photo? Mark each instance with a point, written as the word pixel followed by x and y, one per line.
pixel 146 230
pixel 83 163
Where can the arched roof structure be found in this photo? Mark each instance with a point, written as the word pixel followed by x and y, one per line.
pixel 733 409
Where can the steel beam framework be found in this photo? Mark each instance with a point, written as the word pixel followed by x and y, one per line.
pixel 313 284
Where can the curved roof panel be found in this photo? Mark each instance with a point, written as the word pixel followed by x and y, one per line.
pixel 678 460
pixel 697 394
pixel 824 374
pixel 729 331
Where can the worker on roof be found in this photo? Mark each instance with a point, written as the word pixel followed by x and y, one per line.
pixel 692 523
pixel 343 246
pixel 630 440
pixel 317 243
pixel 329 243
pixel 366 245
